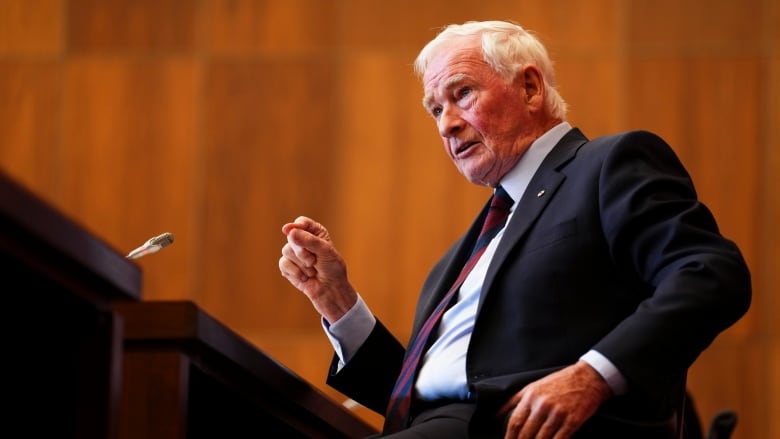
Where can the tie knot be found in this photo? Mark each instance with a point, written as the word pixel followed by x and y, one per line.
pixel 501 199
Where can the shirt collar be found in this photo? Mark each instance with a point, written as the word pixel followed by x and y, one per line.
pixel 516 180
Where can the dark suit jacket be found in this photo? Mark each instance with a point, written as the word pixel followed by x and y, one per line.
pixel 609 249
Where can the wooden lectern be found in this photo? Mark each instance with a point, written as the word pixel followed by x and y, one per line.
pixel 89 359
pixel 65 342
pixel 217 384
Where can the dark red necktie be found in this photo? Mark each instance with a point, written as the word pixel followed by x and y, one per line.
pixel 397 415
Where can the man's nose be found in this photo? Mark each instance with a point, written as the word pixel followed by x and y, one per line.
pixel 450 122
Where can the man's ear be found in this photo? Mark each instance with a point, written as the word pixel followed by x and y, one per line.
pixel 530 79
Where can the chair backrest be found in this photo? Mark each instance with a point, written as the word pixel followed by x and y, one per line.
pixel 722 425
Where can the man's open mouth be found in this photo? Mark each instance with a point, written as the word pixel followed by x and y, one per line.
pixel 464 147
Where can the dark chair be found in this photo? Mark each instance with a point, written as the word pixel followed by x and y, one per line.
pixel 721 426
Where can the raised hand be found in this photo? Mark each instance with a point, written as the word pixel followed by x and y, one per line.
pixel 312 264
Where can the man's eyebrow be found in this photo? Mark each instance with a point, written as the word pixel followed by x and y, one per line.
pixel 447 84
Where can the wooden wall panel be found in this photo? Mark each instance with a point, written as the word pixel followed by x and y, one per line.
pixel 370 208
pixel 768 421
pixel 283 26
pixel 30 45
pixel 729 376
pixel 403 24
pixel 725 122
pixel 598 107
pixel 31 27
pixel 151 26
pixel 568 29
pixel 272 150
pixel 128 158
pixel 29 122
pixel 769 219
pixel 693 25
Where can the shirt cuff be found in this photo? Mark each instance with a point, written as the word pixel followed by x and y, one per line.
pixel 615 380
pixel 349 332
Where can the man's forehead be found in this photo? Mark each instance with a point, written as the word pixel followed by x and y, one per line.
pixel 442 84
pixel 450 61
pixel 445 81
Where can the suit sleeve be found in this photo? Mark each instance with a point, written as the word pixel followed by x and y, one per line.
pixel 370 375
pixel 658 229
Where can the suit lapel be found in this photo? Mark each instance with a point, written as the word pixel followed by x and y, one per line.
pixel 540 191
pixel 537 196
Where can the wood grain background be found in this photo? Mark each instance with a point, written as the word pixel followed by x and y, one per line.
pixel 220 120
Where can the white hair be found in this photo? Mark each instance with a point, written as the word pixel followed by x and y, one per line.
pixel 507 48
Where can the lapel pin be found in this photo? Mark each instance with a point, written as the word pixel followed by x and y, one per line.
pixel 540 193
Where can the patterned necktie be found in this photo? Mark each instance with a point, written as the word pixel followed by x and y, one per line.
pixel 400 400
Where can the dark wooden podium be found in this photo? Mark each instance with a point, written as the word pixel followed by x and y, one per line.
pixel 63 344
pixel 86 358
pixel 217 384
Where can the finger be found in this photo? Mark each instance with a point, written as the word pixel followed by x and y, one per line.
pixel 531 426
pixel 303 263
pixel 304 247
pixel 292 271
pixel 509 405
pixel 516 421
pixel 565 432
pixel 299 254
pixel 551 426
pixel 301 222
pixel 314 228
pixel 309 225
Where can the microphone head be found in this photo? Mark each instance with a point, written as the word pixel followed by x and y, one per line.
pixel 163 240
pixel 152 246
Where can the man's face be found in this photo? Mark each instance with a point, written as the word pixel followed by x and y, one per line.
pixel 485 123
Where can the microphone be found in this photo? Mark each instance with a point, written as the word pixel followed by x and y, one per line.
pixel 152 246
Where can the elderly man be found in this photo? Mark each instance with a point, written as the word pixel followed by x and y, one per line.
pixel 600 281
